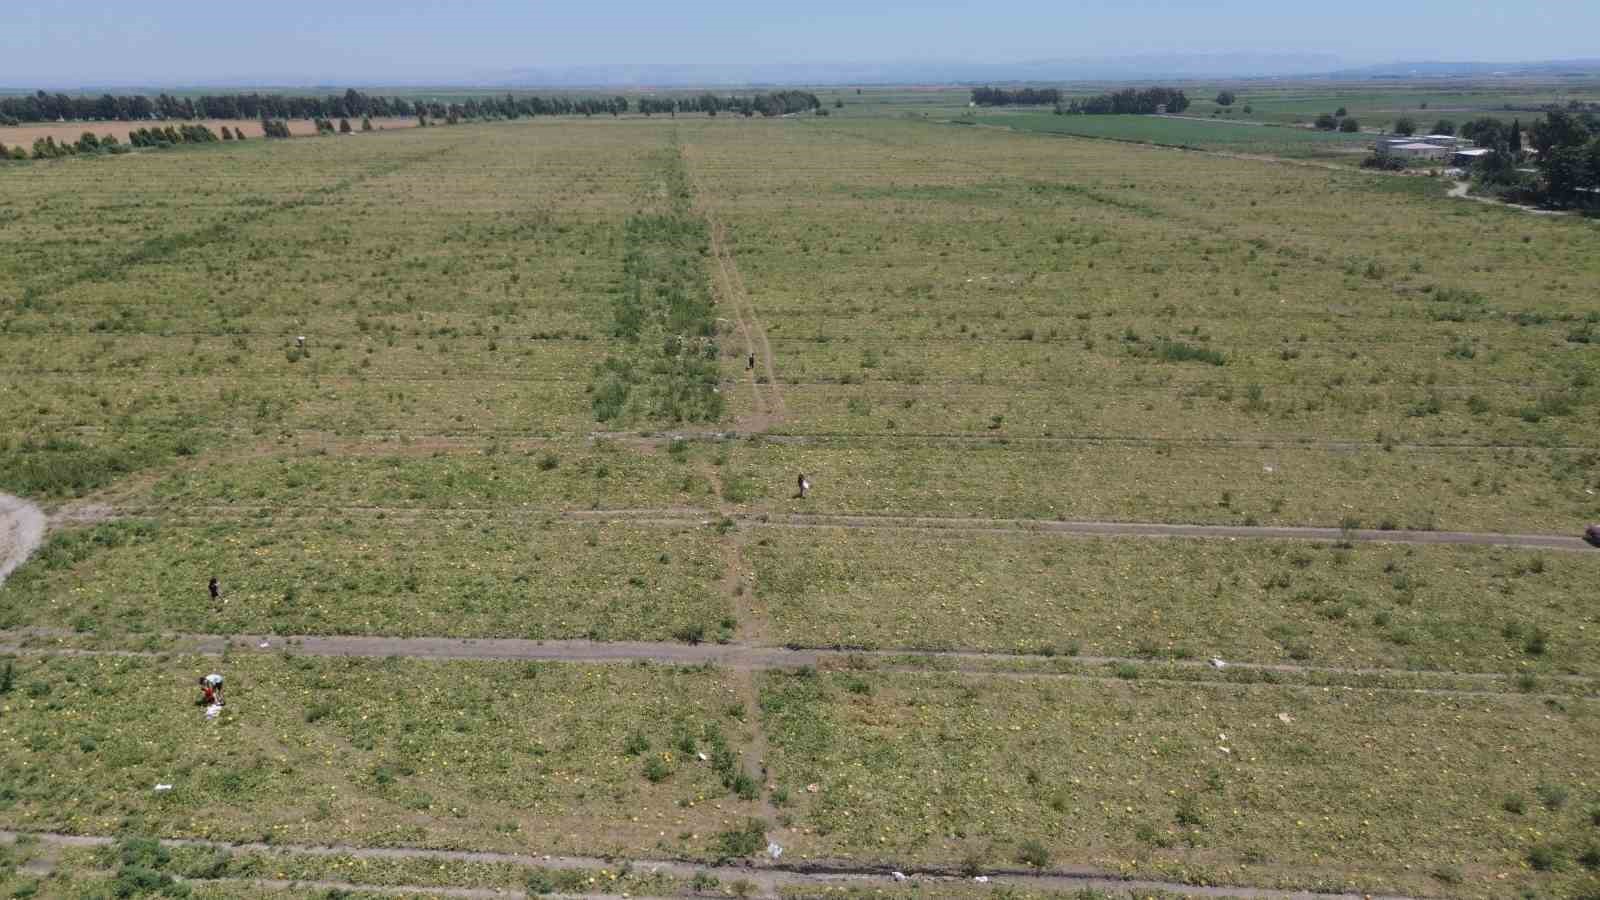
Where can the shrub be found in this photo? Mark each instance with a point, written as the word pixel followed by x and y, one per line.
pixel 636 744
pixel 1033 853
pixel 745 840
pixel 1514 804
pixel 1552 796
pixel 657 769
pixel 1178 351
pixel 1590 857
pixel 1349 125
pixel 1405 126
pixel 1448 874
pixel 1326 122
pixel 1545 857
pixel 1536 644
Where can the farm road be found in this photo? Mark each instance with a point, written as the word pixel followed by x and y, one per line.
pixel 679 517
pixel 768 877
pixel 744 659
pixel 1166 530
pixel 22 527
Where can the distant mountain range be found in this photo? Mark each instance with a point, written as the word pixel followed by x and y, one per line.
pixel 1220 65
pixel 1467 69
pixel 1143 68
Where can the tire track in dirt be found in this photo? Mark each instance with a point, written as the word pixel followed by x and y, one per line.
pixel 680 517
pixel 751 626
pixel 769 404
pixel 743 660
pixel 22 527
pixel 1245 442
pixel 767 877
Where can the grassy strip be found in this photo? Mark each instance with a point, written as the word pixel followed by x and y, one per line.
pixel 375 753
pixel 356 574
pixel 58 467
pixel 1525 491
pixel 1205 784
pixel 562 476
pixel 665 366
pixel 1460 609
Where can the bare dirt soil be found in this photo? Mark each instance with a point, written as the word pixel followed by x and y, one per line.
pixel 25 135
pixel 22 527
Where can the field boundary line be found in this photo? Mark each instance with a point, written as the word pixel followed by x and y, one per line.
pixel 745 659
pixel 1091 528
pixel 679 517
pixel 767 876
pixel 1247 442
pixel 377 442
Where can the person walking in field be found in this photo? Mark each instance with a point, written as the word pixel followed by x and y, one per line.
pixel 215 589
pixel 751 362
pixel 804 485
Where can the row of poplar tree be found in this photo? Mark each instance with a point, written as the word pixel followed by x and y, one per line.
pixel 43 107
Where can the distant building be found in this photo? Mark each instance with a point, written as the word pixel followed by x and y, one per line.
pixel 1161 109
pixel 1419 150
pixel 1466 157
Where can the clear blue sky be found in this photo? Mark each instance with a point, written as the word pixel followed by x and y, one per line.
pixel 374 41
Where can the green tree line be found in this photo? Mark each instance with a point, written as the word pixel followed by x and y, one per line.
pixel 1128 101
pixel 88 143
pixel 988 96
pixel 43 107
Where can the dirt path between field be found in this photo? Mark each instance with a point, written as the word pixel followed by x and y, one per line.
pixel 1001 439
pixel 681 517
pixel 1165 530
pixel 767 877
pixel 22 527
pixel 769 403
pixel 1459 190
pixel 745 659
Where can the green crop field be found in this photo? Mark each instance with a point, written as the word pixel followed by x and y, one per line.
pixel 1231 135
pixel 535 469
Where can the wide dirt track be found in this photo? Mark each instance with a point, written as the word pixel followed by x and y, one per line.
pixel 1179 525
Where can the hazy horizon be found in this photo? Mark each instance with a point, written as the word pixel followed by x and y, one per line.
pixel 426 42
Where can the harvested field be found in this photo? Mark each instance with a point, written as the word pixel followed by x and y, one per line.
pixel 559 382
